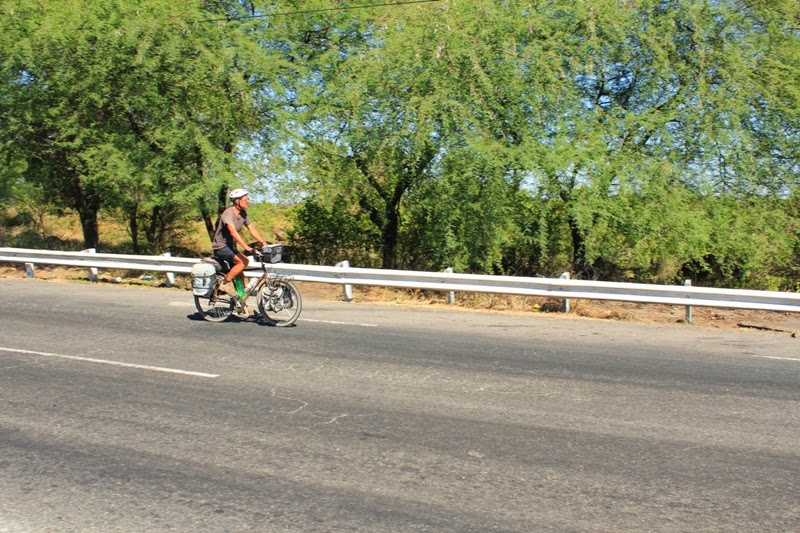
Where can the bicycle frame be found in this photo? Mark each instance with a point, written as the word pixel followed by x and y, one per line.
pixel 251 290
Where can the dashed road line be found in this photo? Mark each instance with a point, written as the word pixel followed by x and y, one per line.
pixel 339 323
pixel 113 363
pixel 796 360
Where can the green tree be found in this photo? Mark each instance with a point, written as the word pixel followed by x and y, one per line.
pixel 619 139
pixel 648 83
pixel 394 100
pixel 139 107
pixel 355 134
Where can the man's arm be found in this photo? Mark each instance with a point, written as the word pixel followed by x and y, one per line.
pixel 237 237
pixel 252 229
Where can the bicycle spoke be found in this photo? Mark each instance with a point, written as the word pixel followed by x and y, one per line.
pixel 280 303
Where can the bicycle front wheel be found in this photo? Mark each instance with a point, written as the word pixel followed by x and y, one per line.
pixel 280 303
pixel 218 308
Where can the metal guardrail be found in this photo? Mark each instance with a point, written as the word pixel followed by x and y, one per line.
pixel 439 281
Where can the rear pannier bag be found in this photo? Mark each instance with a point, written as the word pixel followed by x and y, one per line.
pixel 203 277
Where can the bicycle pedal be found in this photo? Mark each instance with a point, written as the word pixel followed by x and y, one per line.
pixel 244 312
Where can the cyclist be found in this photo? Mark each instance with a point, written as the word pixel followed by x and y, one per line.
pixel 227 237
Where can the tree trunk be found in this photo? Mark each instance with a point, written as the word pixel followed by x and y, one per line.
pixel 222 203
pixel 209 224
pixel 389 234
pixel 205 212
pixel 87 205
pixel 91 231
pixel 152 228
pixel 580 268
pixel 133 225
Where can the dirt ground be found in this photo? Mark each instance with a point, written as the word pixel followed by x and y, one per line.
pixel 734 319
pixel 731 319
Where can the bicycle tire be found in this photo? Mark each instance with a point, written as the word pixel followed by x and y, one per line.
pixel 280 303
pixel 217 308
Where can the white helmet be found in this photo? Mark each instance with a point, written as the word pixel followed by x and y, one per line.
pixel 237 193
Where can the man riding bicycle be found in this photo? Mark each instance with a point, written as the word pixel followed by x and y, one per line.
pixel 227 237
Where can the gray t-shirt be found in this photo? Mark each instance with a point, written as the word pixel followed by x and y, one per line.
pixel 223 237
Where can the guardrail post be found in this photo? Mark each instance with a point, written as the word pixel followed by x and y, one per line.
pixel 348 289
pixel 92 270
pixel 170 275
pixel 30 270
pixel 688 283
pixel 451 296
pixel 565 304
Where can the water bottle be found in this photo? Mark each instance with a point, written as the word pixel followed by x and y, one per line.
pixel 238 284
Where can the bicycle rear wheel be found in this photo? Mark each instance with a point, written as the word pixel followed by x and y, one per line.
pixel 217 308
pixel 280 303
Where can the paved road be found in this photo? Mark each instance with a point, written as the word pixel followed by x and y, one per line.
pixel 120 411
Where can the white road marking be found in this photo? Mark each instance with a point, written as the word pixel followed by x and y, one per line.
pixel 778 358
pixel 340 323
pixel 113 363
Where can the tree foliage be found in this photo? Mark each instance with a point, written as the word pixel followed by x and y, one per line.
pixel 138 108
pixel 654 140
pixel 598 137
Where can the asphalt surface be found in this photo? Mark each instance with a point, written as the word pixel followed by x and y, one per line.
pixel 121 411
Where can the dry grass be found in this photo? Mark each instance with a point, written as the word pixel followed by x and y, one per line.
pixel 593 309
pixel 273 226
